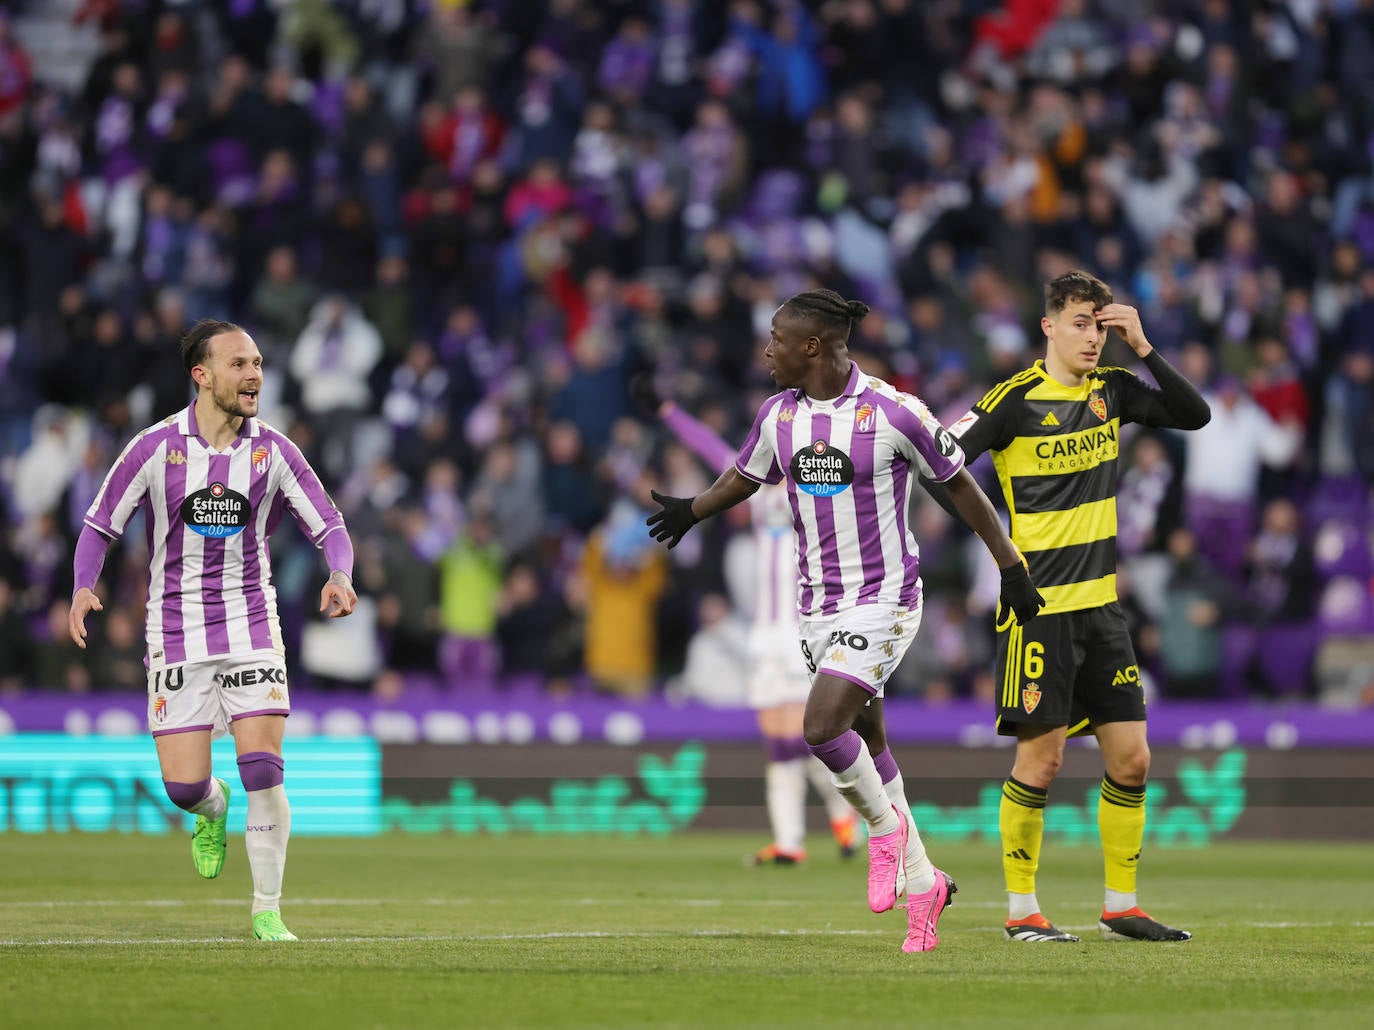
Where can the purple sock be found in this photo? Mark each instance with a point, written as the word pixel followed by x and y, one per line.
pixel 260 770
pixel 887 766
pixel 839 754
pixel 187 795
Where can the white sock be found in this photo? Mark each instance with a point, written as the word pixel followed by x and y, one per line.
pixel 1118 901
pixel 265 836
pixel 920 874
pixel 836 807
pixel 787 803
pixel 213 804
pixel 1020 906
pixel 861 786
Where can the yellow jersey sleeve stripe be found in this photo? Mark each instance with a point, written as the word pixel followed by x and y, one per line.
pixel 994 396
pixel 1044 531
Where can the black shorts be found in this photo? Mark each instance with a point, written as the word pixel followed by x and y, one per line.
pixel 1074 669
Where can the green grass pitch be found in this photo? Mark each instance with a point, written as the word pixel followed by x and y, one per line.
pixel 107 931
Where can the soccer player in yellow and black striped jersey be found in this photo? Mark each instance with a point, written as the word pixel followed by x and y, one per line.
pixel 1054 431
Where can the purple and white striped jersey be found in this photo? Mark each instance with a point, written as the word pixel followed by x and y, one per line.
pixel 849 465
pixel 208 516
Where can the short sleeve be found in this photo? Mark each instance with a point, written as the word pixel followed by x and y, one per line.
pixel 758 457
pixel 923 441
pixel 124 488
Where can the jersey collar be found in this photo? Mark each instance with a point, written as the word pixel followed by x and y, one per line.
pixel 186 426
pixel 1092 381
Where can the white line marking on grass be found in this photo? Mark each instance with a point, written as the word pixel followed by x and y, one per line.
pixel 432 902
pixel 456 938
pixel 563 935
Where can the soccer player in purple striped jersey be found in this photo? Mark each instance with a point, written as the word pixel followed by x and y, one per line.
pixel 849 448
pixel 213 482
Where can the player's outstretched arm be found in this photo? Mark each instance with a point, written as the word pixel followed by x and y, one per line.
pixel 1019 596
pixel 338 597
pixel 679 514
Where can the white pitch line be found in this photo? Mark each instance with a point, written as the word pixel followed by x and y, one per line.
pixel 430 902
pixel 454 938
pixel 568 935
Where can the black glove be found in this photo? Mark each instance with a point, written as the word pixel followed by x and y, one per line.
pixel 671 524
pixel 1018 596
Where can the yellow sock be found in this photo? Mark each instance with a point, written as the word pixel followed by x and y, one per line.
pixel 1021 818
pixel 1121 822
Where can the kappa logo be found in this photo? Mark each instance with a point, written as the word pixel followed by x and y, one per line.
pixel 1049 419
pixel 863 419
pixel 261 459
pixel 889 648
pixel 786 415
pixel 1098 404
pixel 1030 697
pixel 275 695
pixel 175 458
pixel 878 671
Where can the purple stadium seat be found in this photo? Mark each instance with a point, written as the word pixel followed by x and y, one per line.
pixel 1346 606
pixel 1342 548
pixel 1285 657
pixel 1237 646
pixel 1342 497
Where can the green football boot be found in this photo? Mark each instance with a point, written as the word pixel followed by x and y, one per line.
pixel 267 926
pixel 208 843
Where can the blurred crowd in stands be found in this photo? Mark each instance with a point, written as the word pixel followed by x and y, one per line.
pixel 457 230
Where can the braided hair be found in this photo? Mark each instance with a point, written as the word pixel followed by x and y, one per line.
pixel 831 315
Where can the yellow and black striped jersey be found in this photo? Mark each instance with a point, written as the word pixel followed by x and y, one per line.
pixel 1056 450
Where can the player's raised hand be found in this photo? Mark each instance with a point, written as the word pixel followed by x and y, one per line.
pixel 1126 321
pixel 672 522
pixel 83 601
pixel 338 597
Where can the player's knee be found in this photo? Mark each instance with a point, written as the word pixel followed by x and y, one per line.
pixel 1038 770
pixel 187 795
pixel 1132 768
pixel 816 732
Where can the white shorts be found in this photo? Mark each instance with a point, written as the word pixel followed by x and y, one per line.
pixel 777 668
pixel 863 645
pixel 210 693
